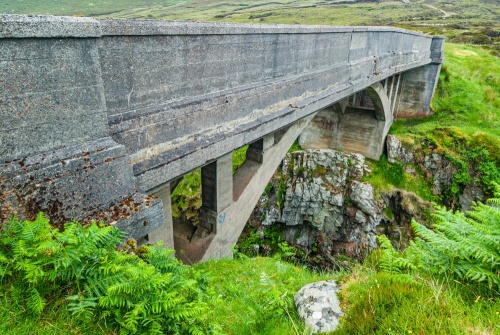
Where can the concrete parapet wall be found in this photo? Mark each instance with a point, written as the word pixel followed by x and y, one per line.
pixel 164 98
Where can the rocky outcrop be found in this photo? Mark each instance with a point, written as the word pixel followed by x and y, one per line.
pixel 397 152
pixel 437 169
pixel 318 306
pixel 327 209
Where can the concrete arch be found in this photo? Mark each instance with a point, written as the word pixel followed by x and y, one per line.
pixel 357 124
pixel 206 92
pixel 380 101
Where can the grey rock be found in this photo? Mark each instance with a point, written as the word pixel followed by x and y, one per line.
pixel 397 152
pixel 442 170
pixel 471 193
pixel 362 197
pixel 318 306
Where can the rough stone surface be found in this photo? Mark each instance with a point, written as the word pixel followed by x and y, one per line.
pixel 436 165
pixel 397 152
pixel 442 171
pixel 327 210
pixel 22 26
pixel 437 169
pixel 471 193
pixel 318 306
pixel 362 197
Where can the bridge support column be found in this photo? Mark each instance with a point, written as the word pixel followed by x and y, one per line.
pixel 418 85
pixel 216 192
pixel 256 149
pixel 165 232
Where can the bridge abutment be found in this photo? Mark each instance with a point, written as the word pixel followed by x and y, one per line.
pixel 418 85
pixel 358 124
pixel 165 231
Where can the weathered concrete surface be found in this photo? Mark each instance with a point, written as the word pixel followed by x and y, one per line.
pixel 249 183
pixel 164 232
pixel 95 111
pixel 56 155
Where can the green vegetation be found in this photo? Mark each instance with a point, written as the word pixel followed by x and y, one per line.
pixel 467 98
pixel 76 282
pixel 79 269
pixel 255 295
pixel 376 303
pixel 466 124
pixel 268 242
pixel 295 147
pixel 446 282
pixel 77 7
pixel 386 176
pixel 460 246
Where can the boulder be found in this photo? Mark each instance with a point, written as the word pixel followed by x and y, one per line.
pixel 318 306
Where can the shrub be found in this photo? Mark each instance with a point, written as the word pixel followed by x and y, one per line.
pixel 152 293
pixel 465 246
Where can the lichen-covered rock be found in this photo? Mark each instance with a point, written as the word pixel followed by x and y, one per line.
pixel 442 169
pixel 327 210
pixel 397 152
pixel 314 197
pixel 362 197
pixel 471 193
pixel 318 306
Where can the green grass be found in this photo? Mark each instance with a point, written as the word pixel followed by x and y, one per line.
pixel 77 7
pixel 264 11
pixel 465 125
pixel 247 296
pixel 467 97
pixel 255 295
pixel 386 176
pixel 377 304
pixel 55 319
pixel 295 147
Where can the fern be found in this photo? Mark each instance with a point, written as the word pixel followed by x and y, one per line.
pixel 154 294
pixel 393 263
pixel 465 246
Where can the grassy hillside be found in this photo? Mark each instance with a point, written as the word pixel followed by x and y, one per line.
pixel 463 21
pixel 282 11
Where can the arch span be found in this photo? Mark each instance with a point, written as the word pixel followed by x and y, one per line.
pixel 358 124
pixel 99 114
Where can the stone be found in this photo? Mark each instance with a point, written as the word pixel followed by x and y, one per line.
pixel 397 152
pixel 442 169
pixel 329 210
pixel 318 306
pixel 471 193
pixel 362 197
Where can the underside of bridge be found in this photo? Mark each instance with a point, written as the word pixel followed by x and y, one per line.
pixel 101 118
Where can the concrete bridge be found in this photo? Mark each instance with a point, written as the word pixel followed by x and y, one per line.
pixel 99 119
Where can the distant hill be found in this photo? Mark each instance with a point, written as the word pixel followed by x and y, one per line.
pixel 332 12
pixel 462 21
